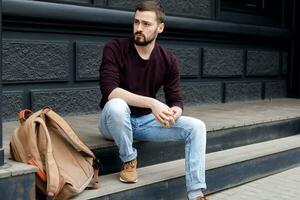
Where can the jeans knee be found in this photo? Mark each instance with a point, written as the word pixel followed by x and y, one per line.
pixel 198 128
pixel 117 108
pixel 201 125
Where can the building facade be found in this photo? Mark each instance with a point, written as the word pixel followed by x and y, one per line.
pixel 228 50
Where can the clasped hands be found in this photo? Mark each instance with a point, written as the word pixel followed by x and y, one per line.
pixel 164 114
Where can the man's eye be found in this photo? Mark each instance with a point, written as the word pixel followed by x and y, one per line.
pixel 147 24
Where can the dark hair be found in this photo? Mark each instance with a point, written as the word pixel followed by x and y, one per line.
pixel 153 5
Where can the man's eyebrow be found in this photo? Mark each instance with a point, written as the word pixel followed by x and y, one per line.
pixel 142 20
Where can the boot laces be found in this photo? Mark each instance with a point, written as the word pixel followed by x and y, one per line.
pixel 129 166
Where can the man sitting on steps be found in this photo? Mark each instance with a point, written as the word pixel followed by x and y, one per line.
pixel 131 73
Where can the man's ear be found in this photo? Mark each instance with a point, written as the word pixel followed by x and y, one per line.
pixel 161 27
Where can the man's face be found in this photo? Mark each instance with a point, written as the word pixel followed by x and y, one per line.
pixel 146 27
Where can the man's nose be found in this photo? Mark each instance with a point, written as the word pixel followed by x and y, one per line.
pixel 139 27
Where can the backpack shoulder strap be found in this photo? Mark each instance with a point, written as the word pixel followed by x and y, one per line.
pixel 53 182
pixel 29 120
pixel 69 131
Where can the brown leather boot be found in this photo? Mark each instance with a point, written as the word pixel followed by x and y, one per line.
pixel 202 198
pixel 129 173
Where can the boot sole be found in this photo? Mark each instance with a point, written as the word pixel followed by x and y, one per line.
pixel 124 181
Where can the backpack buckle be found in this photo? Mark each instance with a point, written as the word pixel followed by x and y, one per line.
pixel 46 109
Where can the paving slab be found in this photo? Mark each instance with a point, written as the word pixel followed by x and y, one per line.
pixel 284 186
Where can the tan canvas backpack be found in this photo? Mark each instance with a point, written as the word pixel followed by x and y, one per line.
pixel 66 166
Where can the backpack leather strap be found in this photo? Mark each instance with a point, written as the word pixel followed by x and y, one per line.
pixel 53 184
pixel 77 141
pixel 95 184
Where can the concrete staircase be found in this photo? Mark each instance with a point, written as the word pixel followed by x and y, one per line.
pixel 224 169
pixel 245 141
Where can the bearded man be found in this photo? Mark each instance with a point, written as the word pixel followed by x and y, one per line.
pixel 132 71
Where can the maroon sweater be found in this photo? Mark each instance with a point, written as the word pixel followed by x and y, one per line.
pixel 123 67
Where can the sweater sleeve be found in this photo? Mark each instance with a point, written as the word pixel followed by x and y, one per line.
pixel 109 71
pixel 172 88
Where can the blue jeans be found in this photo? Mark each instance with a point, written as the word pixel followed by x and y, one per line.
pixel 117 124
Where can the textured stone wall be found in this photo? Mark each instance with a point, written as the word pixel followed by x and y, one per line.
pixel 38 73
pixel 242 91
pixel 190 8
pixel 67 101
pixel 188 58
pixel 35 61
pixel 275 89
pixel 88 60
pixel 194 8
pixel 12 103
pixel 220 62
pixel 201 93
pixel 262 63
pixel 60 69
pixel 70 65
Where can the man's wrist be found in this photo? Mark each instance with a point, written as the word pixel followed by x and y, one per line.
pixel 150 102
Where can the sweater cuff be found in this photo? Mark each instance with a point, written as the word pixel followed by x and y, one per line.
pixel 106 92
pixel 178 104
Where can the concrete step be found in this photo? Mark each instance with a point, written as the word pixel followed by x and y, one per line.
pixel 284 185
pixel 224 169
pixel 229 125
pixel 150 153
pixel 17 181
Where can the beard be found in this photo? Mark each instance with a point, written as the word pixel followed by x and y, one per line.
pixel 140 39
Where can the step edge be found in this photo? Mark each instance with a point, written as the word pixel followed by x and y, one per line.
pixel 254 123
pixel 12 168
pixel 111 144
pixel 177 169
pixel 245 152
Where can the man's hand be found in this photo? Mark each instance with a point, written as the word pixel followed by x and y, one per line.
pixel 177 111
pixel 162 113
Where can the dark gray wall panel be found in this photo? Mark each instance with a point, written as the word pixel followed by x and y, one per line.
pixel 197 93
pixel 219 62
pixel 99 2
pixel 160 95
pixel 123 4
pixel 35 61
pixel 189 60
pixel 12 103
pixel 262 63
pixel 201 93
pixel 68 1
pixel 38 49
pixel 18 186
pixel 275 89
pixel 88 2
pixel 75 1
pixel 193 8
pixel 67 101
pixel 242 91
pixel 88 60
pixel 284 62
